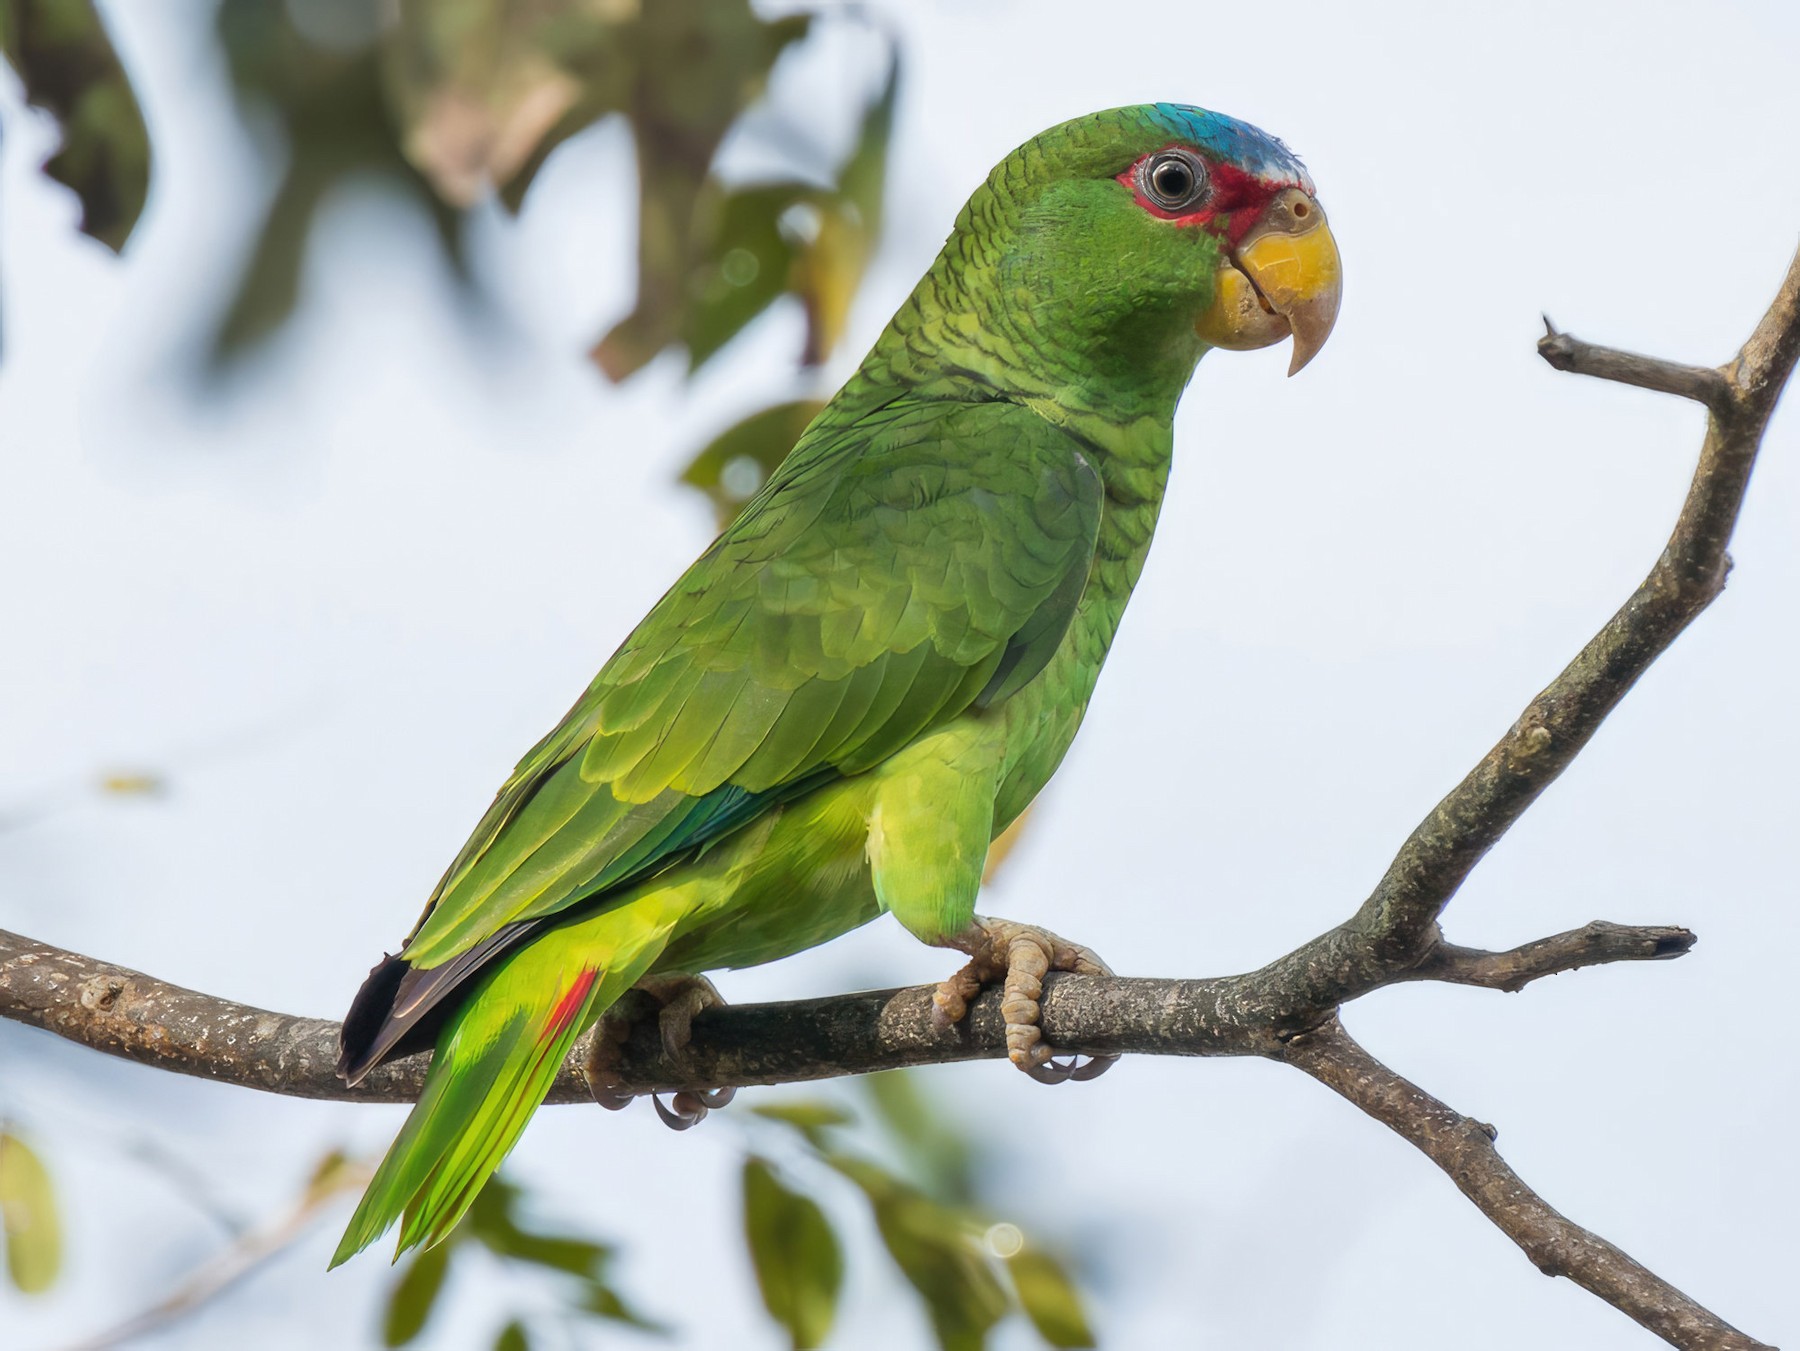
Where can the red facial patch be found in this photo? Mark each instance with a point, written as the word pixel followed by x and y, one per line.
pixel 1234 200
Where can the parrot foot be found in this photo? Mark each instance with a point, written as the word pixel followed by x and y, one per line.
pixel 1021 956
pixel 676 998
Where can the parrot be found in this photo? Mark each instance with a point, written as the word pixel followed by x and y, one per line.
pixel 876 666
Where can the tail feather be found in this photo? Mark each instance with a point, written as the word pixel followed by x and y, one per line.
pixel 495 1060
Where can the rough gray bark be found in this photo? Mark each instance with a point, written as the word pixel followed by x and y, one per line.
pixel 1286 1011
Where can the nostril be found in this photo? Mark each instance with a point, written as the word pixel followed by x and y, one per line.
pixel 1301 211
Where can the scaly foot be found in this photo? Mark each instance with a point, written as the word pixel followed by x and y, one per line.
pixel 1022 955
pixel 676 998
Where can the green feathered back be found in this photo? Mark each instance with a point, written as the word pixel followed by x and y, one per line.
pixel 867 594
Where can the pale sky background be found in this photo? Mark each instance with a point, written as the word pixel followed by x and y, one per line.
pixel 335 607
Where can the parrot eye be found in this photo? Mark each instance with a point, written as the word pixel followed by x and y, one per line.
pixel 1175 180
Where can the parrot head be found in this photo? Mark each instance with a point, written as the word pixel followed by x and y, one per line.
pixel 1145 236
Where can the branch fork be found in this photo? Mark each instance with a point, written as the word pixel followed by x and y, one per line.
pixel 1287 1011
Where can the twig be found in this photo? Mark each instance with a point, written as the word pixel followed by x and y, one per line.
pixel 1589 945
pixel 1465 1150
pixel 219 1273
pixel 1399 918
pixel 1702 384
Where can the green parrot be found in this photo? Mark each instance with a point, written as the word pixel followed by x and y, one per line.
pixel 878 664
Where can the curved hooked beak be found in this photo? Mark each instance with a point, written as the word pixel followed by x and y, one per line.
pixel 1284 278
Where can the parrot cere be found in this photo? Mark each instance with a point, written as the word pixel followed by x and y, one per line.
pixel 877 665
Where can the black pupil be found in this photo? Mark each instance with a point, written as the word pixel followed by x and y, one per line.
pixel 1172 179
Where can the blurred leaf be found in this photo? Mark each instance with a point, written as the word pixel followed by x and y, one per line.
pixel 696 67
pixel 942 1155
pixel 414 1294
pixel 936 1251
pixel 492 1222
pixel 323 87
pixel 739 460
pixel 134 785
pixel 68 67
pixel 335 1172
pixel 1049 1298
pixel 811 1119
pixel 560 1252
pixel 28 1217
pixel 604 1301
pixel 478 88
pixel 512 1338
pixel 828 273
pixel 799 1263
pixel 748 260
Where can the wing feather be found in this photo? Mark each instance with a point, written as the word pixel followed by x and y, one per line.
pixel 894 572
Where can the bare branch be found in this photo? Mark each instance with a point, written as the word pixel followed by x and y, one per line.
pixel 127 1013
pixel 1399 918
pixel 1703 384
pixel 1590 945
pixel 251 1250
pixel 1465 1150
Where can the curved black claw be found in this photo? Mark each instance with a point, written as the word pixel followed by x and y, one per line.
pixel 612 1099
pixel 688 1108
pixel 682 1112
pixel 1076 1069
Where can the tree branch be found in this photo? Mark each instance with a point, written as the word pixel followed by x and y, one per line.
pixel 1589 945
pixel 1703 384
pixel 1285 1011
pixel 127 1013
pixel 1399 918
pixel 1464 1149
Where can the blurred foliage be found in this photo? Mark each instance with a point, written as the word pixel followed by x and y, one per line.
pixel 735 463
pixel 455 105
pixel 451 102
pixel 313 75
pixel 28 1217
pixel 133 783
pixel 799 1263
pixel 580 1268
pixel 63 57
pixel 968 1271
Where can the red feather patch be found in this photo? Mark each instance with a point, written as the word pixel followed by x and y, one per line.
pixel 568 1008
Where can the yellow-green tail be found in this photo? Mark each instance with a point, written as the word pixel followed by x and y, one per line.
pixel 495 1060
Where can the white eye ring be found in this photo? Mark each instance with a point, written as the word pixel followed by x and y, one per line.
pixel 1175 179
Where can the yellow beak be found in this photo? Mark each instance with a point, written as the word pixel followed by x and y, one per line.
pixel 1285 278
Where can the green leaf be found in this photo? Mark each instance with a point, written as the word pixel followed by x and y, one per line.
pixel 68 67
pixel 697 67
pixel 560 1252
pixel 491 1221
pixel 512 1338
pixel 335 1172
pixel 746 266
pixel 605 1302
pixel 330 104
pixel 827 274
pixel 799 1264
pixel 937 1250
pixel 28 1217
pixel 738 461
pixel 811 1119
pixel 1049 1298
pixel 410 1304
pixel 942 1156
